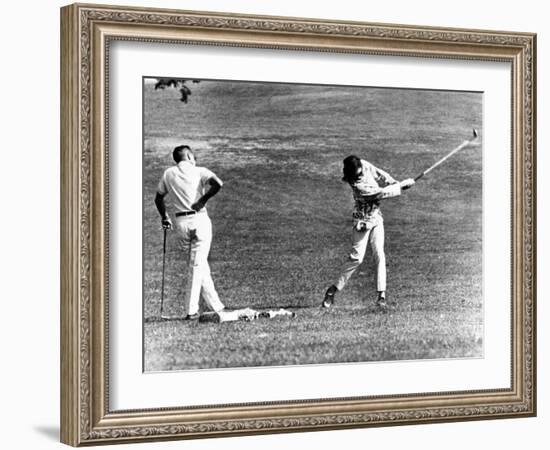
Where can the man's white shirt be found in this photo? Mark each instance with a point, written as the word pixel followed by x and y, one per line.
pixel 372 182
pixel 186 182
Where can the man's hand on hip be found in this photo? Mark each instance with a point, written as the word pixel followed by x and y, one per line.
pixel 198 205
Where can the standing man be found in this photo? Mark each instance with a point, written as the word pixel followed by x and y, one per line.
pixel 369 185
pixel 190 188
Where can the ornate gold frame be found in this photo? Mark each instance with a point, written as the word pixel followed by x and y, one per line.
pixel 86 31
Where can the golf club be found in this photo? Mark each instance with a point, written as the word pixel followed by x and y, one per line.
pixel 457 149
pixel 163 266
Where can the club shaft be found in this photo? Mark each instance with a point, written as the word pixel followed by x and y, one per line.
pixel 442 160
pixel 163 267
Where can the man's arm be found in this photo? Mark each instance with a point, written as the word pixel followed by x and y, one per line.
pixel 384 177
pixel 161 208
pixel 392 187
pixel 392 190
pixel 214 186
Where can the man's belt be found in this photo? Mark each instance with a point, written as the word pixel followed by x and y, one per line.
pixel 185 213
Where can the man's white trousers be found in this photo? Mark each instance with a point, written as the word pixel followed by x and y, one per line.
pixel 196 232
pixel 360 239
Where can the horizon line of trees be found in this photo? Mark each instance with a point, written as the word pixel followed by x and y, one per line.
pixel 176 83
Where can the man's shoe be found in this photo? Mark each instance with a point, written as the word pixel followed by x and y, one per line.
pixel 192 316
pixel 328 301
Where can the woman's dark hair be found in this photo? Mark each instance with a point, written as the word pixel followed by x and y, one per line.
pixel 352 165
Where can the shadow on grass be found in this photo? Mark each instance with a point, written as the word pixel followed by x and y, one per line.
pixel 272 307
pixel 158 319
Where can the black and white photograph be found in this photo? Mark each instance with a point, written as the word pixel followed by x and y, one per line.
pixel 293 224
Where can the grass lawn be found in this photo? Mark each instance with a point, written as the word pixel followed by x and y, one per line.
pixel 282 224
